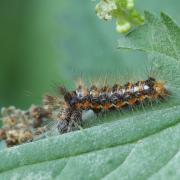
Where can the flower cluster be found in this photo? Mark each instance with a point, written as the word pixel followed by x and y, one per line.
pixel 105 8
pixel 122 11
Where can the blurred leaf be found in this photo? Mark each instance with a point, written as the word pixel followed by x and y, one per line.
pixel 170 7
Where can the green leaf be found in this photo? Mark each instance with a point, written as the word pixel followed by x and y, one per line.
pixel 160 36
pixel 141 146
pixel 144 145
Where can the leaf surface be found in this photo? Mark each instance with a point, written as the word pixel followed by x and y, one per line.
pixel 144 145
pixel 137 146
pixel 160 36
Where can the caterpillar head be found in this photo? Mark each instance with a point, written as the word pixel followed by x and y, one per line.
pixel 160 89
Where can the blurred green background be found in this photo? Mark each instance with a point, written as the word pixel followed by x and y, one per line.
pixel 44 43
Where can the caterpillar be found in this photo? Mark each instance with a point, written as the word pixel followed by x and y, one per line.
pixel 107 98
pixel 25 126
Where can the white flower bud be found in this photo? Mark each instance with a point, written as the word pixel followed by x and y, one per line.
pixel 123 27
pixel 104 9
pixel 130 4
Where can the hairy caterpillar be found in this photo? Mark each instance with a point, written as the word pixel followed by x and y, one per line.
pixel 107 98
pixel 24 126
